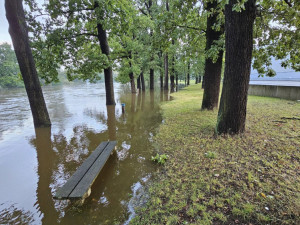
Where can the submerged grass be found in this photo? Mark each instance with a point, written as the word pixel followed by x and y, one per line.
pixel 244 179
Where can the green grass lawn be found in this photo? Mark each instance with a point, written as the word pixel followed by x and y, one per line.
pixel 244 179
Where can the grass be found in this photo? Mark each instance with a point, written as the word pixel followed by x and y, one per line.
pixel 244 179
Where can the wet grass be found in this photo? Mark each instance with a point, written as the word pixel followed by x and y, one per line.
pixel 245 179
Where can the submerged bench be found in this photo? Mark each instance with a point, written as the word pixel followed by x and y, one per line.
pixel 78 187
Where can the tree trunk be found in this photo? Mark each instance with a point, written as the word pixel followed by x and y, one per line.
pixel 131 76
pixel 199 81
pixel 166 66
pixel 212 74
pixel 132 83
pixel 138 81
pixel 176 76
pixel 161 80
pixel 239 45
pixel 143 81
pixel 111 122
pixel 19 35
pixel 188 73
pixel 108 77
pixel 172 75
pixel 151 79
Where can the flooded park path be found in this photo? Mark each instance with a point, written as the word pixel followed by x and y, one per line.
pixel 35 162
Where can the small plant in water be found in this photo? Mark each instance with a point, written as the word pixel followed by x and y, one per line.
pixel 160 159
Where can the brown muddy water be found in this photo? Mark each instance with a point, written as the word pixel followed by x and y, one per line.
pixel 35 162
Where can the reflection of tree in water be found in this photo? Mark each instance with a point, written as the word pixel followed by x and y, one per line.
pixel 59 158
pixel 13 215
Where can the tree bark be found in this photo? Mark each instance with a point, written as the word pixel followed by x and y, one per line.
pixel 239 45
pixel 132 83
pixel 19 35
pixel 161 72
pixel 212 74
pixel 131 76
pixel 138 82
pixel 151 79
pixel 172 75
pixel 108 77
pixel 166 66
pixel 188 73
pixel 199 81
pixel 142 81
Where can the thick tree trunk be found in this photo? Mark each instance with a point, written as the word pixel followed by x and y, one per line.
pixel 239 45
pixel 188 73
pixel 151 79
pixel 166 66
pixel 212 74
pixel 142 81
pixel 203 83
pixel 19 35
pixel 108 76
pixel 199 81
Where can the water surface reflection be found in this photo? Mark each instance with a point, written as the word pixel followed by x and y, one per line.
pixel 35 162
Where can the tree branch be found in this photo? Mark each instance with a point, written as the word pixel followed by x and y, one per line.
pixel 289 3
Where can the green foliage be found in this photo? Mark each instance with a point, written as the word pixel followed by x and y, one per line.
pixel 9 68
pixel 276 34
pixel 160 159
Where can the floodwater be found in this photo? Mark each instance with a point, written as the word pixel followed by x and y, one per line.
pixel 34 163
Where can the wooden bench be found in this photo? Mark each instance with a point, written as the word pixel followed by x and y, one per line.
pixel 78 187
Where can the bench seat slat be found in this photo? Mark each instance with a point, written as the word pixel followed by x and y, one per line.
pixel 86 182
pixel 66 190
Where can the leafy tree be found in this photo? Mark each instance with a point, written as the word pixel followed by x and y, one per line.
pixel 9 68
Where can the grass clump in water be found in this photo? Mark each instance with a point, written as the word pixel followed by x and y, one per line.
pixel 242 179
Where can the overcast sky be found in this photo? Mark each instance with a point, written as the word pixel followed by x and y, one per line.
pixel 4 35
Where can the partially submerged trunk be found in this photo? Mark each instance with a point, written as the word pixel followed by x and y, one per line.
pixel 212 74
pixel 19 35
pixel 239 45
pixel 111 122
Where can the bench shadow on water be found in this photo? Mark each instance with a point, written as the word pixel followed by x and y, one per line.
pixel 120 185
